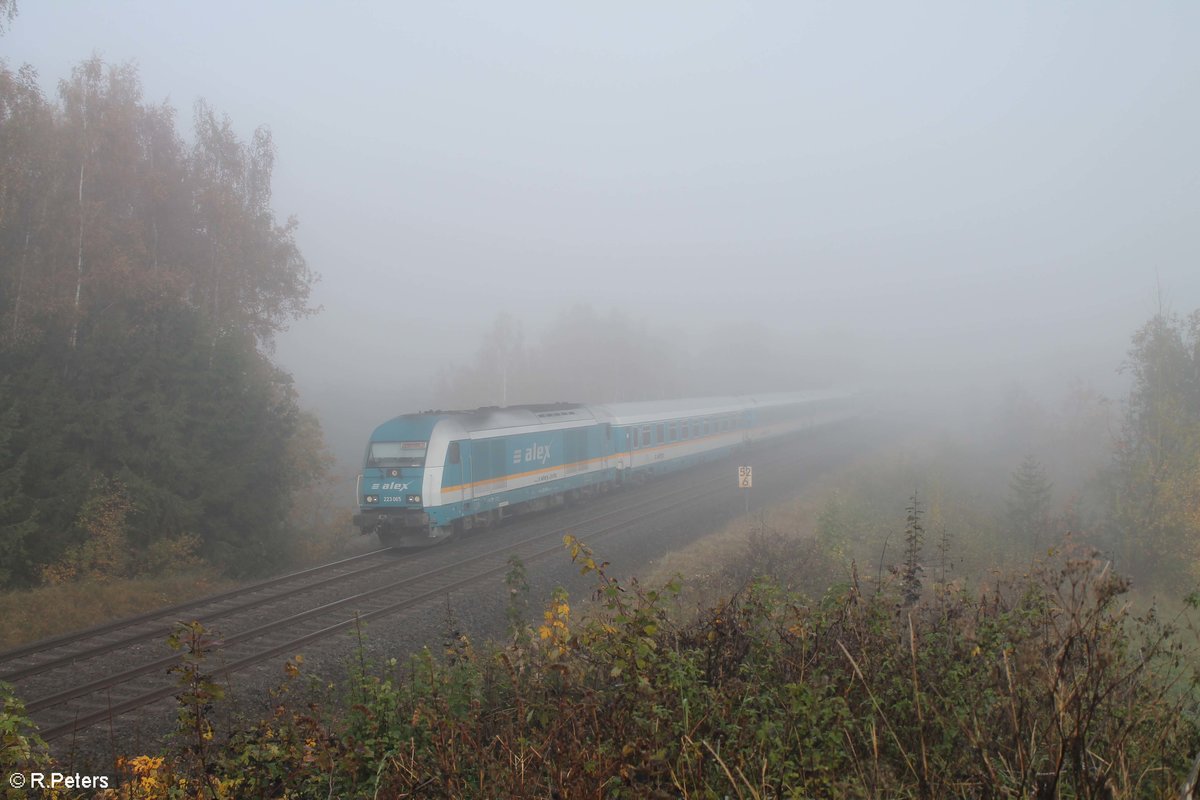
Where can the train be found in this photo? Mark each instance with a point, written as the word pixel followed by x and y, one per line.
pixel 429 476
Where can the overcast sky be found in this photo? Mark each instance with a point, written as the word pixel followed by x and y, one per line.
pixel 1006 183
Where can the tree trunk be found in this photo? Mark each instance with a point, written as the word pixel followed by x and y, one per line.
pixel 78 265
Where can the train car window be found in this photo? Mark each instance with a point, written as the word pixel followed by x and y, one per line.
pixel 672 432
pixel 683 430
pixel 662 433
pixel 608 432
pixel 647 436
pixel 452 455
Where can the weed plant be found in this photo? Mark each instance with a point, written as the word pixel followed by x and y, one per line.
pixel 21 749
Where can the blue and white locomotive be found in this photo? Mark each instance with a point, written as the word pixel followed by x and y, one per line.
pixel 429 475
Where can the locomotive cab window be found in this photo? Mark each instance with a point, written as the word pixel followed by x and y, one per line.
pixel 452 455
pixel 396 454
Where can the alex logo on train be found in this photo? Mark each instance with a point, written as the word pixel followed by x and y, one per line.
pixel 538 453
pixel 389 487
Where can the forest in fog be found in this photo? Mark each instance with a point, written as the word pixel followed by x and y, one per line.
pixel 142 278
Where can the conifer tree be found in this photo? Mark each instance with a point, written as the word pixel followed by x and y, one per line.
pixel 1154 519
pixel 1028 503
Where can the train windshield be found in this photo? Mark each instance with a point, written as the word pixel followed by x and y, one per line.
pixel 396 454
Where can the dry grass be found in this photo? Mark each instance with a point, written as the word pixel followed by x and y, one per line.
pixel 712 566
pixel 702 562
pixel 54 609
pixel 33 614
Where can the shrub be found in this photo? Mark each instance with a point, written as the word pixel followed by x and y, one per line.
pixel 1044 686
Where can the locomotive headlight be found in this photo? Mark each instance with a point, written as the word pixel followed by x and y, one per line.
pixel 414 498
pixel 395 473
pixel 372 498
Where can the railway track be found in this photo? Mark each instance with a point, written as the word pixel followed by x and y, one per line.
pixel 75 681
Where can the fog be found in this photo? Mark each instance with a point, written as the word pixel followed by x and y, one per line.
pixel 948 199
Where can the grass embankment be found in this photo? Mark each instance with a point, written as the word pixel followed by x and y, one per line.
pixel 856 516
pixel 851 516
pixel 44 611
pixel 58 608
